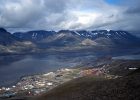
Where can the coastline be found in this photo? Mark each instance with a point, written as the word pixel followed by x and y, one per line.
pixel 43 82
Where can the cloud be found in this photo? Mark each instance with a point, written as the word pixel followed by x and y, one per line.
pixel 70 14
pixel 20 14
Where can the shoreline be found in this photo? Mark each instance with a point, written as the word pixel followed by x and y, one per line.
pixel 29 75
pixel 32 75
pixel 45 81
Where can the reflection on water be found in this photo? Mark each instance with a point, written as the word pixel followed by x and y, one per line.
pixel 13 67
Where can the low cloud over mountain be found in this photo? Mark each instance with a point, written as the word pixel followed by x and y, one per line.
pixel 70 14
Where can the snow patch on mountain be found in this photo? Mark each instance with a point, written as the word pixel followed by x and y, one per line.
pixel 34 35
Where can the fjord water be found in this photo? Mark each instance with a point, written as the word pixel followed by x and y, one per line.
pixel 128 57
pixel 13 67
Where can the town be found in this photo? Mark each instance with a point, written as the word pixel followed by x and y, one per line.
pixel 39 84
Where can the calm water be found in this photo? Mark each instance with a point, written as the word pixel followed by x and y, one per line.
pixel 128 57
pixel 14 67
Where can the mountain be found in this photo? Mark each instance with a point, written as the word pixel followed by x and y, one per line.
pixel 111 34
pixel 108 37
pixel 12 44
pixel 34 35
pixel 67 40
pixel 7 38
pixel 69 37
pixel 63 38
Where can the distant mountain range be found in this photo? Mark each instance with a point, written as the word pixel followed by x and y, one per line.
pixel 64 37
pixel 41 40
pixel 34 35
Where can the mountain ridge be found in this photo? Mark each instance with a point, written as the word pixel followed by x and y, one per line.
pixel 116 37
pixel 67 40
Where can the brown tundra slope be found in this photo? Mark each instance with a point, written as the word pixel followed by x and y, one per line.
pixel 93 88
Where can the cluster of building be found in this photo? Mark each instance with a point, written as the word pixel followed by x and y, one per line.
pixel 38 84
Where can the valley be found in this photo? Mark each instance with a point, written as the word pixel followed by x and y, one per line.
pixel 34 64
pixel 69 50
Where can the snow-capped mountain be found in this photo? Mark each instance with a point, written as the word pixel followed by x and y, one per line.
pixel 109 37
pixel 39 35
pixel 33 35
pixel 103 33
pixel 115 36
pixel 82 37
pixel 42 41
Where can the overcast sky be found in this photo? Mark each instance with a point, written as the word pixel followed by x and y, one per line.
pixel 18 15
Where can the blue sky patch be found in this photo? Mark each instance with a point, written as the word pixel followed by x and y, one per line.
pixel 115 2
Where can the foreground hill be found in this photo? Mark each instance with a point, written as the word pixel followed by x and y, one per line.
pixel 93 88
pixel 111 80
